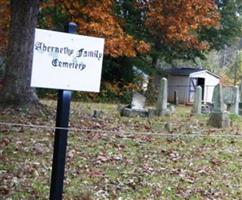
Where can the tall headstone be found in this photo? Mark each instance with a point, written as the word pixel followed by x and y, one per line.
pixel 218 118
pixel 240 91
pixel 197 104
pixel 162 98
pixel 236 98
pixel 218 104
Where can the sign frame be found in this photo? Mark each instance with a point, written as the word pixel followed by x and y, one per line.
pixel 67 61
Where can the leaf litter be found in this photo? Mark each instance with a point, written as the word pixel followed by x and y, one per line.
pixel 121 158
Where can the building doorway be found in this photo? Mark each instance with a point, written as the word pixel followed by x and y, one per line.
pixel 193 83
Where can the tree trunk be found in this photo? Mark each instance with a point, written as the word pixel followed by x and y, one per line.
pixel 16 89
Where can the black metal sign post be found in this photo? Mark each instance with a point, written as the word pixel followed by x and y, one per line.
pixel 61 135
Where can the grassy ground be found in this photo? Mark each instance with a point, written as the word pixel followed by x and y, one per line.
pixel 113 157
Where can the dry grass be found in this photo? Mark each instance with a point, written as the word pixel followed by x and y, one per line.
pixel 122 158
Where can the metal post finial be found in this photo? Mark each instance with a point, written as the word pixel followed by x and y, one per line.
pixel 71 27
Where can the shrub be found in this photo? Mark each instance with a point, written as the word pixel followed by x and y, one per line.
pixel 110 92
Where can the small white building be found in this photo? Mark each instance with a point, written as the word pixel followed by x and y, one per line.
pixel 183 82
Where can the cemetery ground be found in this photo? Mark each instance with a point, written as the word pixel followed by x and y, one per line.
pixel 113 157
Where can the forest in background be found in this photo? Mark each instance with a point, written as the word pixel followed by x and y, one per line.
pixel 146 34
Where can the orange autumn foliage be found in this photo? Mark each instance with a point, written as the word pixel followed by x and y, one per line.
pixel 94 18
pixel 180 20
pixel 97 18
pixel 168 21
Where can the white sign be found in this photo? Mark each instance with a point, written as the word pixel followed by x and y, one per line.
pixel 67 61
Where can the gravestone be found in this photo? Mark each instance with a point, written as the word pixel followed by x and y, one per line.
pixel 228 96
pixel 236 98
pixel 217 99
pixel 138 101
pixel 136 108
pixel 168 127
pixel 218 118
pixel 197 104
pixel 161 106
pixel 240 91
pixel 231 98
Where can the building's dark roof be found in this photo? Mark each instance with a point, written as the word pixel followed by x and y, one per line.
pixel 184 71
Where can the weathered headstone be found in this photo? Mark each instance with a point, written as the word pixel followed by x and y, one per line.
pixel 197 104
pixel 228 96
pixel 172 109
pixel 218 118
pixel 236 98
pixel 168 127
pixel 97 114
pixel 137 107
pixel 218 104
pixel 162 98
pixel 138 101
pixel 231 98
